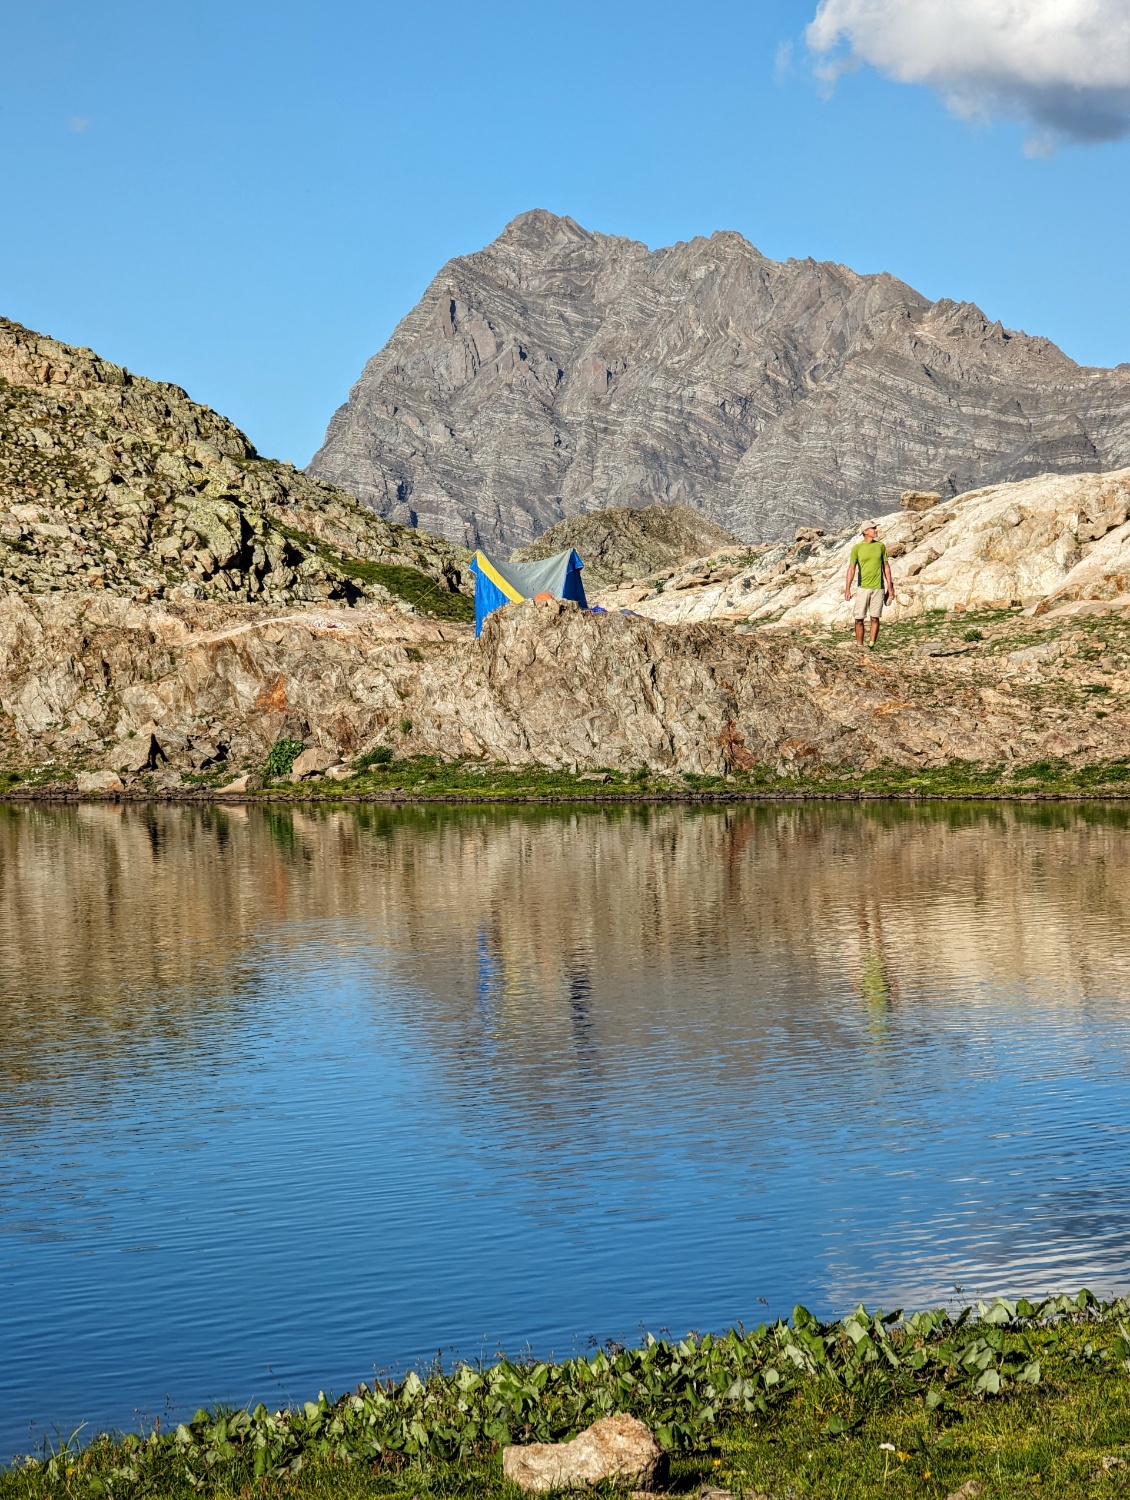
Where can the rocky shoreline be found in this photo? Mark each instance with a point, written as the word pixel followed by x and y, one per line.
pixel 174 702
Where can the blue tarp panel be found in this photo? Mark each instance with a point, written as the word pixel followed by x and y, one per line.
pixel 498 583
pixel 488 597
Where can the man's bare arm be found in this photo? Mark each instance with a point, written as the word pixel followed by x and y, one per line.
pixel 848 580
pixel 890 578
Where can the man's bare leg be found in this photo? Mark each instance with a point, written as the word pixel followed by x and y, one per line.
pixel 874 630
pixel 859 632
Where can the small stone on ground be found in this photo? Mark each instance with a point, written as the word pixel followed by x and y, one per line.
pixel 620 1449
pixel 240 784
pixel 313 762
pixel 98 781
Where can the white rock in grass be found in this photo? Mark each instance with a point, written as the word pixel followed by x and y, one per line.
pixel 98 781
pixel 312 762
pixel 619 1448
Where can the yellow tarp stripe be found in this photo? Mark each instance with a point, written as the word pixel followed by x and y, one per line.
pixel 497 579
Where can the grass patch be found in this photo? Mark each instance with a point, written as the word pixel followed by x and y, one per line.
pixel 1012 1395
pixel 380 755
pixel 419 590
pixel 381 774
pixel 416 588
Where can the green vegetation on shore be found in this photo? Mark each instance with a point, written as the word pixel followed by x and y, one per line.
pixel 1025 1399
pixel 410 584
pixel 426 777
pixel 381 776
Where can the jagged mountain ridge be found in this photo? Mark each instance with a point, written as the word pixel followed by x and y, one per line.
pixel 558 371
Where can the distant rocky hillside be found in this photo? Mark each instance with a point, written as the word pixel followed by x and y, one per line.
pixel 622 544
pixel 110 481
pixel 558 371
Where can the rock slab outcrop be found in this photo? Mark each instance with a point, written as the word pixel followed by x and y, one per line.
pixel 546 684
pixel 617 1450
pixel 558 371
pixel 1051 544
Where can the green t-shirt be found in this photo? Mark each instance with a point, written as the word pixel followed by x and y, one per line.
pixel 870 557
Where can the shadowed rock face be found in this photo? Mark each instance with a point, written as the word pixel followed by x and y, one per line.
pixel 558 371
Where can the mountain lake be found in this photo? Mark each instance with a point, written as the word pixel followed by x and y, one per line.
pixel 289 1095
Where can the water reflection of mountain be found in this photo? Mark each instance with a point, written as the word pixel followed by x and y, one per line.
pixel 438 1075
pixel 561 945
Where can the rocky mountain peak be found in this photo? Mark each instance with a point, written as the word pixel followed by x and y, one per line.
pixel 558 372
pixel 539 230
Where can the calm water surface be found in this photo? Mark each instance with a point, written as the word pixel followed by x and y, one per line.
pixel 287 1096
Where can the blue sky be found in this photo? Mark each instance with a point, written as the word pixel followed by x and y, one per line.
pixel 245 197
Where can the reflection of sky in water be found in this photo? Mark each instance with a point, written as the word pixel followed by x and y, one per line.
pixel 472 1083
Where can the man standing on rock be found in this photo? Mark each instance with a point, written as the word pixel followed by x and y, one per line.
pixel 876 586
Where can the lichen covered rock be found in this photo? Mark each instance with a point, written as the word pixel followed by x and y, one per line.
pixel 112 482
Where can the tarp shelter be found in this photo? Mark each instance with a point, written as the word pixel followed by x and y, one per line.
pixel 499 583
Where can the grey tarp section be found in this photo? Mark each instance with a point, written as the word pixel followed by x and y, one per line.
pixel 532 578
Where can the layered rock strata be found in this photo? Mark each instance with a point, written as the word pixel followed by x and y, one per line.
pixel 558 371
pixel 83 677
pixel 111 481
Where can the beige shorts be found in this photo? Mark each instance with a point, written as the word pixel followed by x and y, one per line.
pixel 869 602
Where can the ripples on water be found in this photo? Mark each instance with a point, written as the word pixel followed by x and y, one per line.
pixel 287 1096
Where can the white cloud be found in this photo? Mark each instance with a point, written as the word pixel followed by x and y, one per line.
pixel 77 124
pixel 1063 65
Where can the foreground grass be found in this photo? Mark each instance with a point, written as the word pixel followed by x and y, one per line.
pixel 1025 1400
